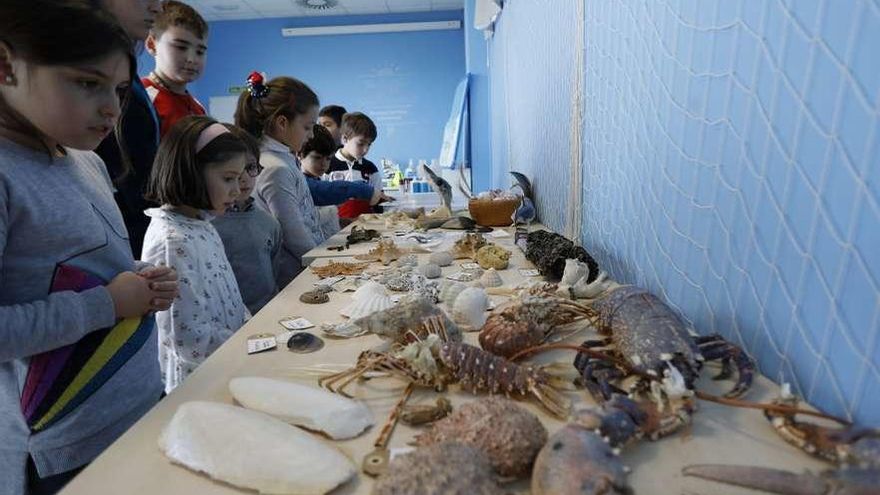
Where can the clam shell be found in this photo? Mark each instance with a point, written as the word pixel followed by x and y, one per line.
pixel 491 278
pixel 366 305
pixel 441 258
pixel 431 270
pixel 469 308
pixel 450 290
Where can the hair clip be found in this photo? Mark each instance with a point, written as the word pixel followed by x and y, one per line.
pixel 256 86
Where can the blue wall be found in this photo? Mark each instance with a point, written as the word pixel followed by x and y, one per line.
pixel 404 81
pixel 731 163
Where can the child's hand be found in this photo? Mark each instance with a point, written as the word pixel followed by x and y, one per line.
pixel 163 281
pixel 385 198
pixel 131 295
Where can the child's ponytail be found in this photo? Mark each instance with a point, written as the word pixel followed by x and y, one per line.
pixel 261 104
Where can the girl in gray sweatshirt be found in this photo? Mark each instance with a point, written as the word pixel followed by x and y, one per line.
pixel 77 339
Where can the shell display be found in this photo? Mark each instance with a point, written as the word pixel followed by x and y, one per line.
pixel 314 297
pixel 507 433
pixel 441 258
pixel 549 252
pixel 400 283
pixel 423 414
pixel 491 279
pixel 493 256
pixel 397 322
pixel 449 290
pixel 468 245
pixel 366 305
pixel 385 252
pixel 469 308
pixel 443 469
pixel 431 270
pixel 304 343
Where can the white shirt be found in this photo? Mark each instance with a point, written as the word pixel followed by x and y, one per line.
pixel 209 308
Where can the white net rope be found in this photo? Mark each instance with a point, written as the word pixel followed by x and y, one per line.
pixel 732 165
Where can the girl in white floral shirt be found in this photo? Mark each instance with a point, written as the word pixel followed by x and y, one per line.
pixel 194 178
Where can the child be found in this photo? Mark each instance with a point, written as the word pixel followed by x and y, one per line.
pixel 358 133
pixel 178 41
pixel 195 177
pixel 251 236
pixel 282 113
pixel 315 159
pixel 331 118
pixel 77 344
pixel 139 127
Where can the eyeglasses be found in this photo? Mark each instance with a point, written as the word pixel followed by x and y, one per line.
pixel 253 169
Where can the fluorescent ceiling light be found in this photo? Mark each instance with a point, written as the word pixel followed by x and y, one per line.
pixel 396 27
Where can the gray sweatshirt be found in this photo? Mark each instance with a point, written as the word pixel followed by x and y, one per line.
pixel 252 240
pixel 69 386
pixel 282 190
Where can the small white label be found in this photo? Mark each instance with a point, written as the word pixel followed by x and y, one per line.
pixel 470 266
pixel 296 323
pixel 260 343
pixel 529 272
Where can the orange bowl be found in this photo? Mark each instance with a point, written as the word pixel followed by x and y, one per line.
pixel 493 212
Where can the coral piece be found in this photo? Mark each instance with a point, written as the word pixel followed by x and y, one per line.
pixel 268 455
pixel 468 245
pixel 549 252
pixel 440 258
pixel 336 268
pixel 312 408
pixel 443 469
pixel 493 256
pixel 507 433
pixel 430 270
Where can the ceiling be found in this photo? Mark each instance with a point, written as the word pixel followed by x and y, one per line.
pixel 224 10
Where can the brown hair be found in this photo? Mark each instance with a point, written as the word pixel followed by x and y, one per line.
pixel 321 143
pixel 179 14
pixel 286 96
pixel 358 124
pixel 250 142
pixel 178 175
pixel 41 33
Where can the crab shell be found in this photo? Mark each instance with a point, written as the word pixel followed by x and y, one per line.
pixel 504 335
pixel 576 460
pixel 507 433
pixel 493 256
pixel 440 469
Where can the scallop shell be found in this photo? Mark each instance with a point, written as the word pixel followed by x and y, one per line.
pixel 431 270
pixel 408 261
pixel 441 258
pixel 368 289
pixel 491 279
pixel 469 308
pixel 366 305
pixel 450 290
pixel 574 271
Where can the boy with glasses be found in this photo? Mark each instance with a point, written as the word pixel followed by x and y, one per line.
pixel 250 235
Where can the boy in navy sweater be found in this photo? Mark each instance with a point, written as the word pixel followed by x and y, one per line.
pixel 358 133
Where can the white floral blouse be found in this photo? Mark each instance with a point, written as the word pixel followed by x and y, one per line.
pixel 209 308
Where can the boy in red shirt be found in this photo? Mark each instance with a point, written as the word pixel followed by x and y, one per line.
pixel 179 42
